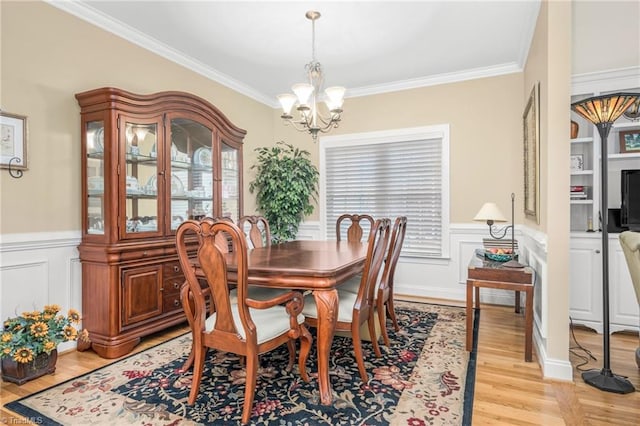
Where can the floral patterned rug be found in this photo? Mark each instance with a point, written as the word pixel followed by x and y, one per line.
pixel 419 381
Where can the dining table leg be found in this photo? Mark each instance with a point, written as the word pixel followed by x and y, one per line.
pixel 327 305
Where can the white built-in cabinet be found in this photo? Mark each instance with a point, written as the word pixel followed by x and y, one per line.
pixel 585 305
pixel 585 292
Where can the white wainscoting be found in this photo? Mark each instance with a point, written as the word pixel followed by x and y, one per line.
pixel 39 269
pixel 446 278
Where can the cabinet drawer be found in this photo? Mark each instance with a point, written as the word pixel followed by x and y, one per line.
pixel 172 268
pixel 171 286
pixel 171 303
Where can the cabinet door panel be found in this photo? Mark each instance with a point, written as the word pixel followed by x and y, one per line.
pixel 141 293
pixel 585 278
pixel 231 185
pixel 190 192
pixel 141 177
pixel 94 150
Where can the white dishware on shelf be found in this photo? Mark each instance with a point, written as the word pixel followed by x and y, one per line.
pixel 152 185
pixel 177 188
pixel 202 156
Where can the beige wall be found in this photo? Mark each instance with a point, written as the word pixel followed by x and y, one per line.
pixel 486 135
pixel 549 62
pixel 47 57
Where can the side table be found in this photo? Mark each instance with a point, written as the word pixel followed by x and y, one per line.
pixel 483 272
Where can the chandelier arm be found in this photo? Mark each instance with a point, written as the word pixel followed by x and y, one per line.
pixel 300 126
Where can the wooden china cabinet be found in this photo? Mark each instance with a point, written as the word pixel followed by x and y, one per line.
pixel 149 162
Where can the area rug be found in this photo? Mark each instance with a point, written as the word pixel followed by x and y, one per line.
pixel 422 379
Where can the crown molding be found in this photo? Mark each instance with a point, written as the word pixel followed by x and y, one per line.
pixel 84 11
pixel 603 81
pixel 435 80
pixel 91 15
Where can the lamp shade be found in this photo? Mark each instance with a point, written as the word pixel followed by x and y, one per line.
pixel 604 108
pixel 490 211
pixel 287 101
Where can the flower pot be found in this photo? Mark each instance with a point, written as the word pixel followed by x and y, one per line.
pixel 21 372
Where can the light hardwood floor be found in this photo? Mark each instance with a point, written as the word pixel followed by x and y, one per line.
pixel 508 391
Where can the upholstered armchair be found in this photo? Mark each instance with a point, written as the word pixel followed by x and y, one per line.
pixel 630 242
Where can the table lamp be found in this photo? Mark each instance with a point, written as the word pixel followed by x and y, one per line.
pixel 490 213
pixel 602 111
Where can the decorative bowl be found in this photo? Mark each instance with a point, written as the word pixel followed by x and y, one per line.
pixel 498 257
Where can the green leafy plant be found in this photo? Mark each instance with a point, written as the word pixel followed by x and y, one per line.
pixel 32 333
pixel 286 182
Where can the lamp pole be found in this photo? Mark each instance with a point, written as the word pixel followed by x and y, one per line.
pixel 602 111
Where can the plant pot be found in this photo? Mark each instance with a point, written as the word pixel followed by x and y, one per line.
pixel 21 372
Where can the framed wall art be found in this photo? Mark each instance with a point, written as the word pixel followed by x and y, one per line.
pixel 13 141
pixel 630 141
pixel 531 135
pixel 577 163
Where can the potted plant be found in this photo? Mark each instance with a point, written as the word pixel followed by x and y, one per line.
pixel 286 182
pixel 28 343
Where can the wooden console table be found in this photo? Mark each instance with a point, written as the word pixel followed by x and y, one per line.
pixel 483 272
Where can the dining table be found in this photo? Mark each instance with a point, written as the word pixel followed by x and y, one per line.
pixel 317 266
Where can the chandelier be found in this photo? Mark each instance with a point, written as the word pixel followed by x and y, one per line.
pixel 306 96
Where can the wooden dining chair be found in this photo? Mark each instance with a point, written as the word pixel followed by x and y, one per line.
pixel 257 230
pixel 247 327
pixel 384 287
pixel 355 231
pixel 356 309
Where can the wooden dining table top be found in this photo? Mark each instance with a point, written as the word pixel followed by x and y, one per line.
pixel 303 264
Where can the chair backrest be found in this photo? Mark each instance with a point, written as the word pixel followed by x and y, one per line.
pixel 393 254
pixel 630 242
pixel 212 263
pixel 257 230
pixel 377 246
pixel 355 230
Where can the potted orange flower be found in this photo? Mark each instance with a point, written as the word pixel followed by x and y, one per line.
pixel 29 342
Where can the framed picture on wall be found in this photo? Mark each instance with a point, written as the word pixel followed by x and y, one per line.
pixel 630 141
pixel 13 141
pixel 531 137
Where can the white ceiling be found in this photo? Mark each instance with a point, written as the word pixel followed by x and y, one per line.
pixel 259 48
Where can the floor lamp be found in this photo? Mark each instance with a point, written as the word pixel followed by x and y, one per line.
pixel 602 111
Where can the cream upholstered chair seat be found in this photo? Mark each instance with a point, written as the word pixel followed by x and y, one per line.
pixel 273 322
pixel 351 285
pixel 259 293
pixel 346 301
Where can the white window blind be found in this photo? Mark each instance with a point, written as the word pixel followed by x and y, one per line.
pixel 390 174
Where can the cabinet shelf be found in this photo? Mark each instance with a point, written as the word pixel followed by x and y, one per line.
pixel 626 125
pixel 581 172
pixel 623 156
pixel 582 140
pixel 581 201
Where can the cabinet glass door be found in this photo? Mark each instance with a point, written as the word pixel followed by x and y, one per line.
pixel 192 171
pixel 141 184
pixel 94 138
pixel 230 182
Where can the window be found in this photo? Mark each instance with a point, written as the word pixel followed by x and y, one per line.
pixel 389 174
